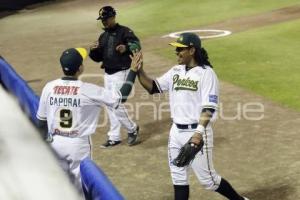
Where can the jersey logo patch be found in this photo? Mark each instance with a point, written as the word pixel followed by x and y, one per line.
pixel 184 84
pixel 213 98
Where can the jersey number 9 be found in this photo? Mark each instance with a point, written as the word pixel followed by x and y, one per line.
pixel 66 118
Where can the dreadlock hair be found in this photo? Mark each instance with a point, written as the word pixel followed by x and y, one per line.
pixel 201 57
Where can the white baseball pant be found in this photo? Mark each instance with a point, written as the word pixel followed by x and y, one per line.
pixel 115 82
pixel 70 152
pixel 202 165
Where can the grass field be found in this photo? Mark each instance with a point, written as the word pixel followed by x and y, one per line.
pixel 263 60
pixel 251 154
pixel 160 17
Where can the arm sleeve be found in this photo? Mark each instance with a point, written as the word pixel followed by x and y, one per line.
pixel 129 36
pixel 131 39
pixel 99 96
pixel 96 53
pixel 127 86
pixel 164 82
pixel 154 88
pixel 209 90
pixel 42 109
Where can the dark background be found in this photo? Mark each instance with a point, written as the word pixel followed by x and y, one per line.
pixel 10 5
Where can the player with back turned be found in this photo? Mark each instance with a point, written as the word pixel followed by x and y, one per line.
pixel 193 94
pixel 69 110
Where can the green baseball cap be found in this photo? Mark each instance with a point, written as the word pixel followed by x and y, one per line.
pixel 187 40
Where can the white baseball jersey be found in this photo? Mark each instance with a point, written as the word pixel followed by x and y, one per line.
pixel 190 91
pixel 71 107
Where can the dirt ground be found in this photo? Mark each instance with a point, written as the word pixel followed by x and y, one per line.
pixel 259 157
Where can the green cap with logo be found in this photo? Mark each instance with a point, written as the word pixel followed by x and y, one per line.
pixel 187 40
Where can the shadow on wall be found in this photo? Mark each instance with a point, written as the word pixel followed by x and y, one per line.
pixel 271 192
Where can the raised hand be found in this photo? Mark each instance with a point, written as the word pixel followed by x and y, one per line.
pixel 136 60
pixel 121 48
pixel 95 45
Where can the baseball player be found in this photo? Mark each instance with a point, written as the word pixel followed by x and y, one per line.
pixel 113 49
pixel 69 109
pixel 194 94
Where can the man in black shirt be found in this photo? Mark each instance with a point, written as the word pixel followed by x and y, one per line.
pixel 113 48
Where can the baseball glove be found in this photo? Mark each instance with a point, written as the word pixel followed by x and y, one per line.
pixel 187 153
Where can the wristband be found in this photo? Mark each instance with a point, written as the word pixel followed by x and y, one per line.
pixel 200 129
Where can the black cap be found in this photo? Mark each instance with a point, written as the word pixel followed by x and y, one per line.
pixel 187 40
pixel 106 12
pixel 71 59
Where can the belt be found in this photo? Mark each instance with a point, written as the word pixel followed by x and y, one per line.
pixel 187 126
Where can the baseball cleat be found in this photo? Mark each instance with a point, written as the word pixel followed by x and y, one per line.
pixel 133 137
pixel 110 143
pixel 246 198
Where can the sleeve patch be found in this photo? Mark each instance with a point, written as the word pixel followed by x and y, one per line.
pixel 213 98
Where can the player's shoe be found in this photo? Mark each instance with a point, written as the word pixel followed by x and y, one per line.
pixel 133 137
pixel 110 143
pixel 246 198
